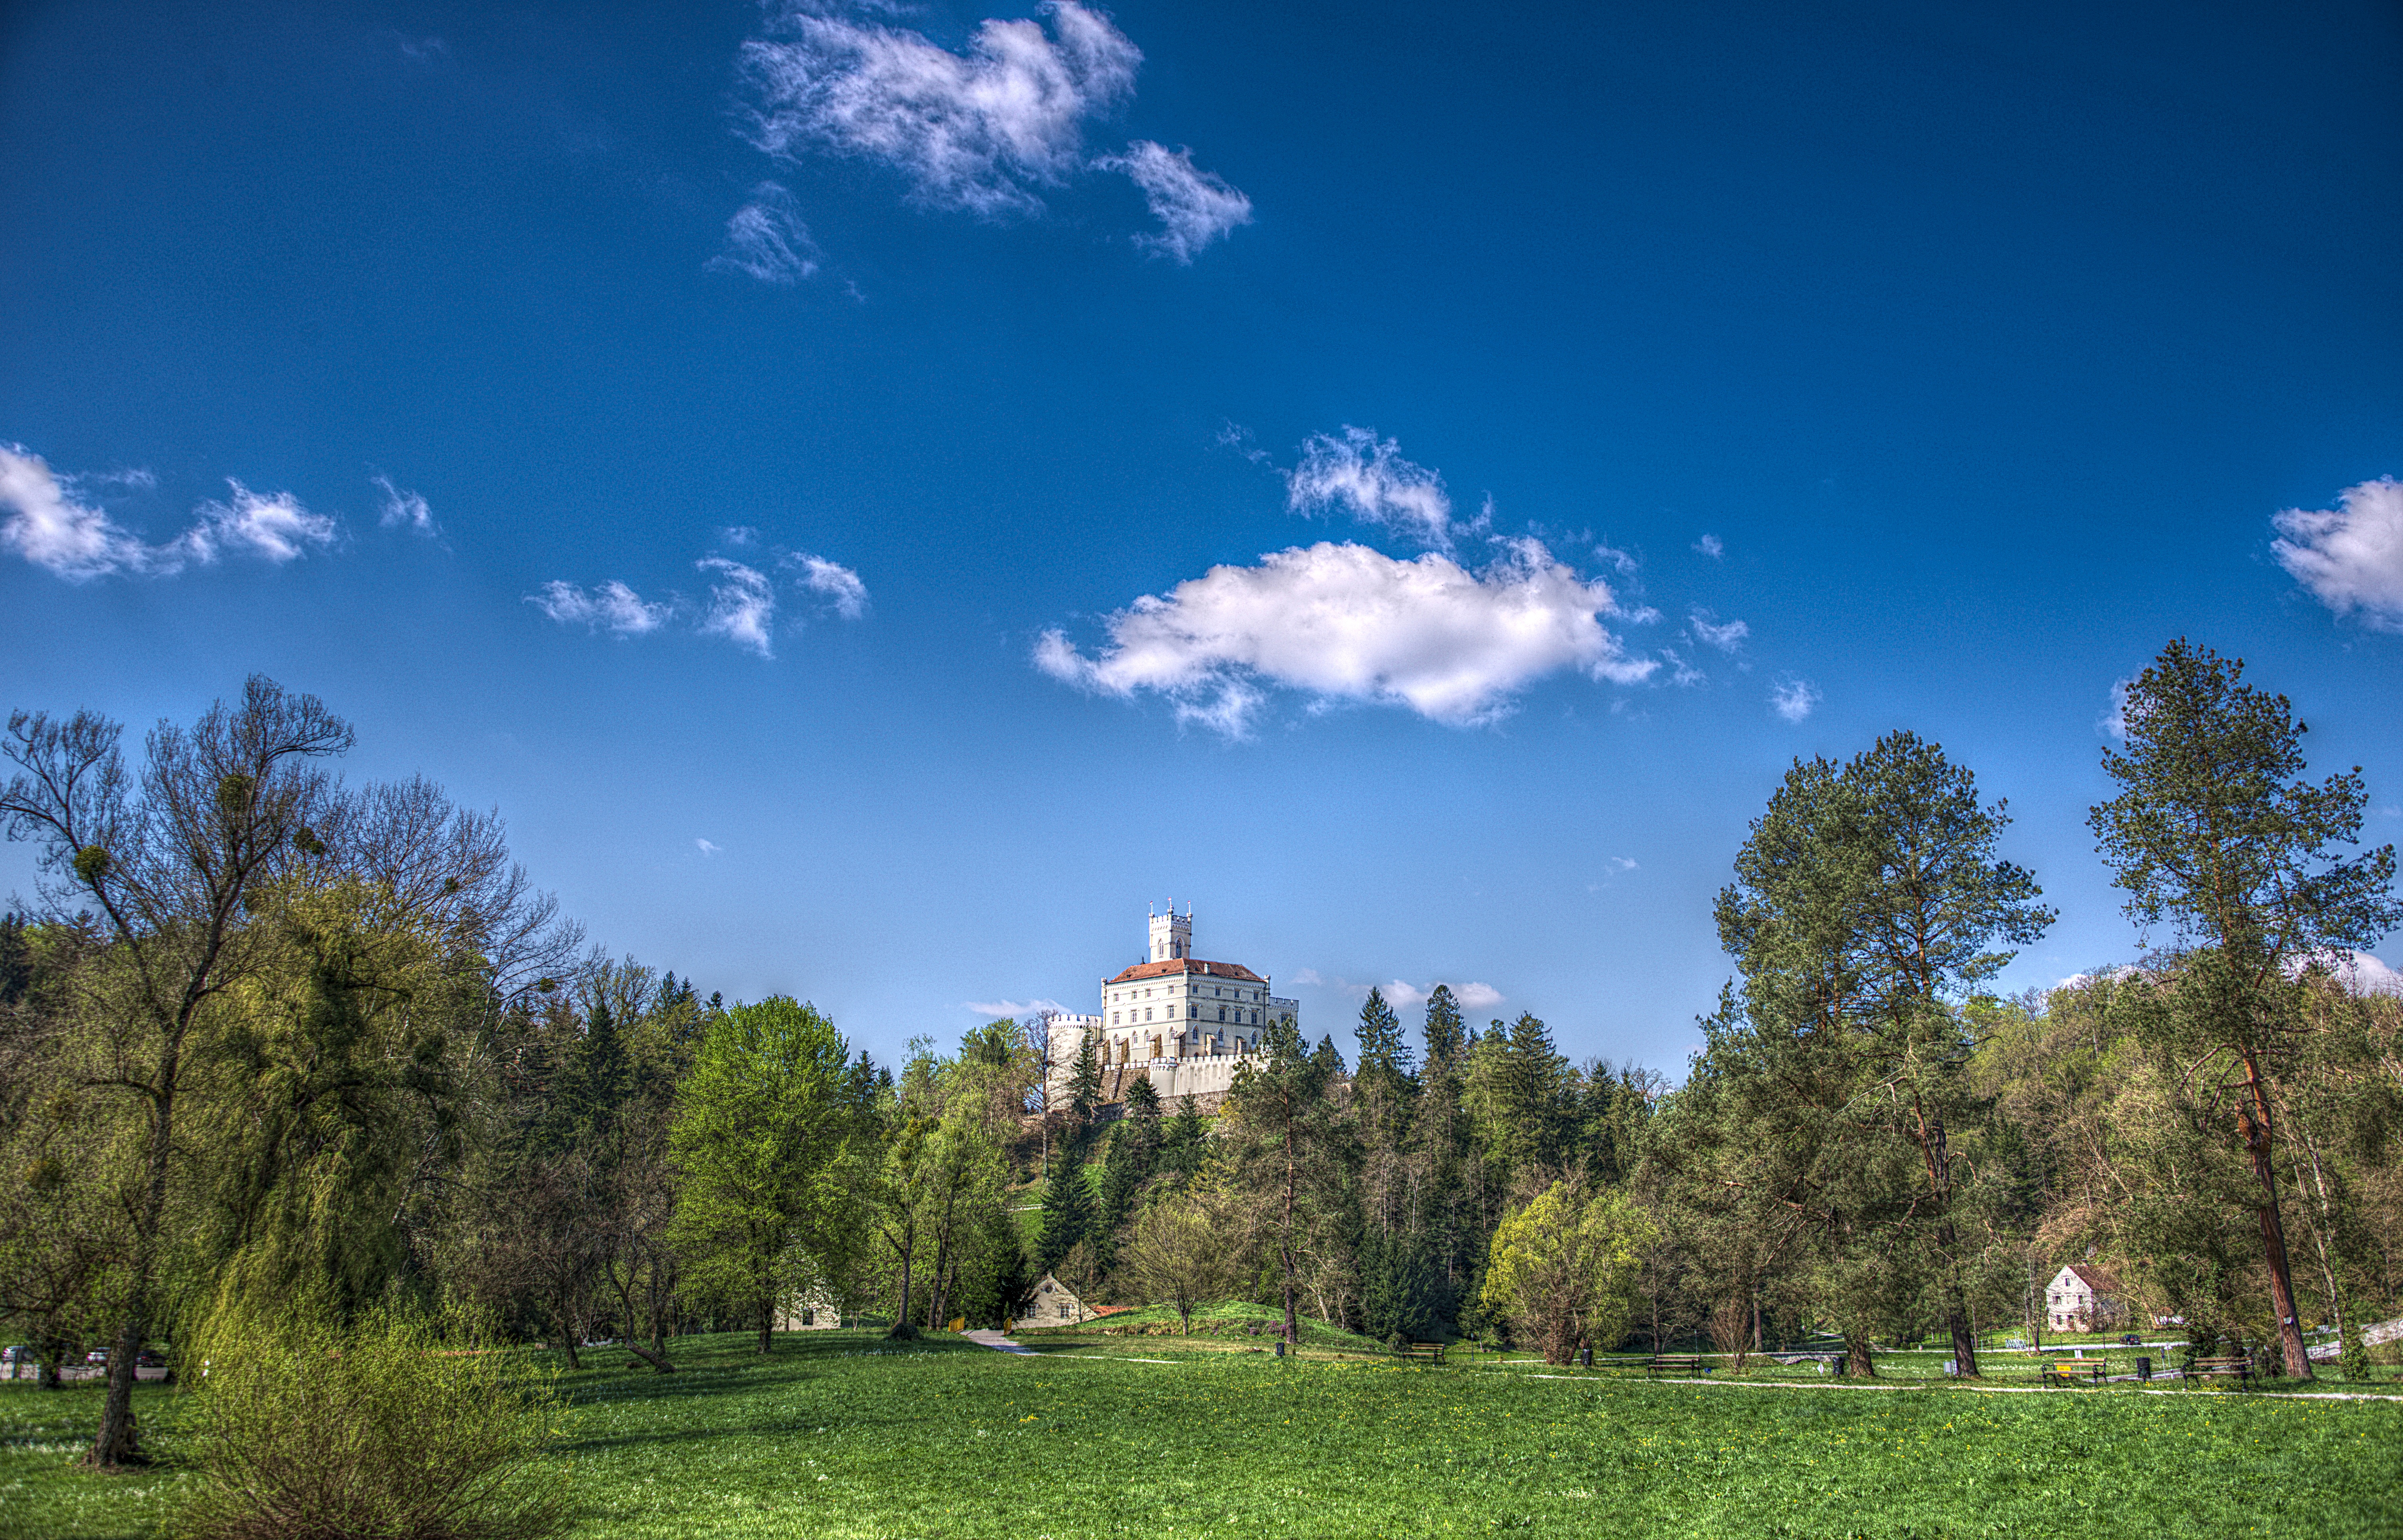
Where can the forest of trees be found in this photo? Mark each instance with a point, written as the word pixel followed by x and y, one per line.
pixel 266 1033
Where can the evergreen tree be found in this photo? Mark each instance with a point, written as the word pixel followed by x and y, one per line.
pixel 1446 1038
pixel 1186 1146
pixel 1067 1213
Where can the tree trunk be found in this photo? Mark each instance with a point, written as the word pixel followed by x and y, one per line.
pixel 2253 1123
pixel 115 1444
pixel 1284 1244
pixel 1856 1356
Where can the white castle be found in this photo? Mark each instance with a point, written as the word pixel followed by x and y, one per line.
pixel 1184 1022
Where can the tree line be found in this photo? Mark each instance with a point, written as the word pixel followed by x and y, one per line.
pixel 269 1035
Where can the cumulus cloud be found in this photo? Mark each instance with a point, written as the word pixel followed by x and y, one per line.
pixel 1726 638
pixel 978 130
pixel 767 238
pixel 1368 475
pixel 1794 699
pixel 2357 971
pixel 404 509
pixel 2113 722
pixel 2349 557
pixel 741 605
pixel 837 584
pixel 1343 622
pixel 1193 207
pixel 1711 546
pixel 613 607
pixel 48 525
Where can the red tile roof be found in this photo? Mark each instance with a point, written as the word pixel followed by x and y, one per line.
pixel 1189 964
pixel 2095 1278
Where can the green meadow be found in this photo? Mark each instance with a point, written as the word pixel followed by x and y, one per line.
pixel 841 1434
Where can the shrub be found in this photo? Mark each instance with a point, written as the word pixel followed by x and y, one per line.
pixel 392 1429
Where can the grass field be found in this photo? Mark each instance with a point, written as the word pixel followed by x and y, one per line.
pixel 837 1435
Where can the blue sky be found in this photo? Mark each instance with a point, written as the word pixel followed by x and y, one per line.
pixel 1406 484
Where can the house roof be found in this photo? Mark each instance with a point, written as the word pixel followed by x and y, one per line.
pixel 1235 971
pixel 2093 1278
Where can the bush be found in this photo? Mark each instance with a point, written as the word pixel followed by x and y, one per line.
pixel 392 1429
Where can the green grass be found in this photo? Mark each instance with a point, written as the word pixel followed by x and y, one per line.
pixel 1226 1325
pixel 838 1436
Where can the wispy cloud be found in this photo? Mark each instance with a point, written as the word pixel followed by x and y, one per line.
pixel 1193 207
pixel 1403 995
pixel 766 239
pixel 2349 557
pixel 837 584
pixel 424 50
pixel 49 524
pixel 979 130
pixel 1016 1009
pixel 1794 699
pixel 2113 722
pixel 706 847
pixel 1624 563
pixel 404 509
pixel 1711 546
pixel 986 130
pixel 1309 976
pixel 741 605
pixel 1366 476
pixel 1728 637
pixel 613 607
pixel 1682 672
pixel 1345 623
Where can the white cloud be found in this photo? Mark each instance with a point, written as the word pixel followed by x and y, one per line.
pixel 1682 672
pixel 1478 997
pixel 2113 722
pixel 404 509
pixel 1193 207
pixel 835 582
pixel 1623 863
pixel 1368 476
pixel 977 131
pixel 613 607
pixel 48 526
pixel 277 528
pixel 1794 699
pixel 1726 638
pixel 1308 975
pixel 2359 972
pixel 1348 623
pixel 2351 557
pixel 1016 1008
pixel 741 605
pixel 1404 995
pixel 1711 546
pixel 1623 561
pixel 706 847
pixel 766 239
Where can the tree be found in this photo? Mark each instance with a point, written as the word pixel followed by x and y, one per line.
pixel 1183 1251
pixel 1563 1268
pixel 1281 1099
pixel 765 1135
pixel 1867 903
pixel 2215 832
pixel 1067 1213
pixel 172 861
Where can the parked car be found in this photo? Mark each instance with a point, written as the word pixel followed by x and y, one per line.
pixel 149 1360
pixel 97 1356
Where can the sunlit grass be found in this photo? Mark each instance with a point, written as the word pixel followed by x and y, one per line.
pixel 839 1435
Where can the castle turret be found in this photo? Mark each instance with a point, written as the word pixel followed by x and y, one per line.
pixel 1171 934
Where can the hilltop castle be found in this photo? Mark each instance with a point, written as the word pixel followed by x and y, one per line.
pixel 1181 1022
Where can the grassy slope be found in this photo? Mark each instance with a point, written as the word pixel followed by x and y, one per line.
pixel 837 1438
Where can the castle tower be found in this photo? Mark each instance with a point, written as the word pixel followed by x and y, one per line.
pixel 1171 934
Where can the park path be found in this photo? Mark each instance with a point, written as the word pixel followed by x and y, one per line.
pixel 985 1337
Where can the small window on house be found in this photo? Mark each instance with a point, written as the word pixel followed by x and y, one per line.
pixel 809 1318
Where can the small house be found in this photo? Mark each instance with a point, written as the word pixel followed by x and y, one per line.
pixel 1051 1303
pixel 2082 1298
pixel 813 1309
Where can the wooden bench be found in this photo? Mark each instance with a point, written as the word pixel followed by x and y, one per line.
pixel 1666 1365
pixel 2068 1371
pixel 1421 1352
pixel 2239 1369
